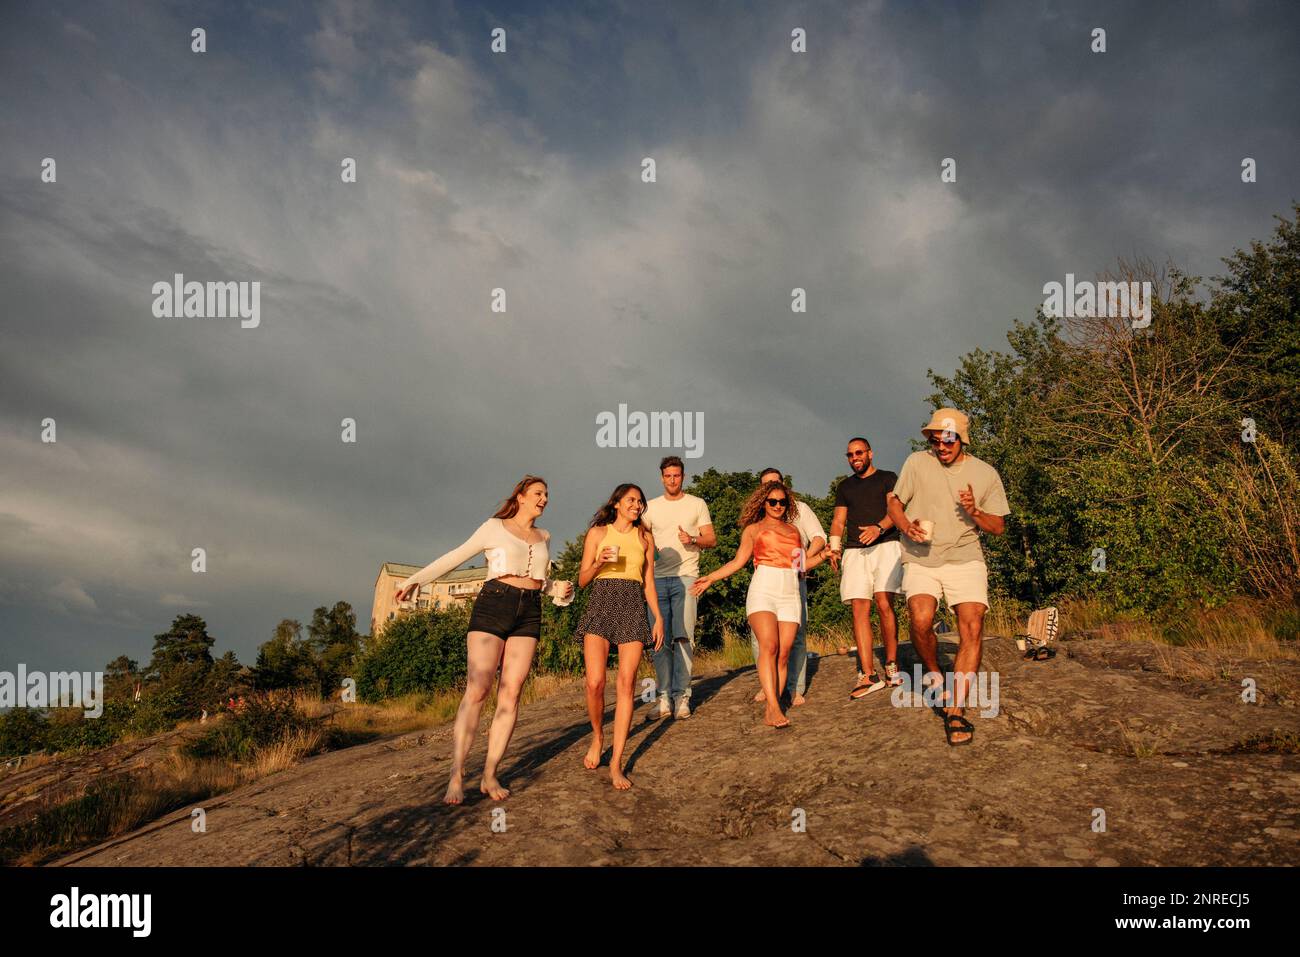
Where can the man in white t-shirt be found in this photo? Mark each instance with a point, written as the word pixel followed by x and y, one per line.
pixel 814 540
pixel 681 527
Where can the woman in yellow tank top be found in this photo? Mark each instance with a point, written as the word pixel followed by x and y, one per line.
pixel 618 556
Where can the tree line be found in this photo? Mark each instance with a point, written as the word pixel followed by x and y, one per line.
pixel 1151 469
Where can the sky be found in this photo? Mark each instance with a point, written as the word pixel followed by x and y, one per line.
pixel 522 171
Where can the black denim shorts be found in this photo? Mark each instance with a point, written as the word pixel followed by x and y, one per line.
pixel 504 610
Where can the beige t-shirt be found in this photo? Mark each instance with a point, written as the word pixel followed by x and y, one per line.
pixel 672 558
pixel 928 490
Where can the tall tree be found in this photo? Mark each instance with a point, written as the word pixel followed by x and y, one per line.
pixel 1257 305
pixel 335 643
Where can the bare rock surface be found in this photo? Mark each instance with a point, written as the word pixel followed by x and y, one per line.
pixel 1175 765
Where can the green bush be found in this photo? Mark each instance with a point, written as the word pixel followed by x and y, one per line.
pixel 418 652
pixel 23 731
pixel 262 720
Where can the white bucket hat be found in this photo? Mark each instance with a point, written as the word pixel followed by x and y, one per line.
pixel 950 421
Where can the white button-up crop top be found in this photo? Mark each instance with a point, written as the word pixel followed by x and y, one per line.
pixel 506 554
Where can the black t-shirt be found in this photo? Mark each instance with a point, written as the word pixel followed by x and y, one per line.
pixel 865 500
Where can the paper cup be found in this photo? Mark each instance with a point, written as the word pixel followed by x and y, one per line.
pixel 927 527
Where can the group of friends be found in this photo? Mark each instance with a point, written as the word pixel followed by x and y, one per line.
pixel 914 533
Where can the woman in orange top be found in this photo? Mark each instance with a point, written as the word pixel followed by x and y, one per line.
pixel 773 604
pixel 619 556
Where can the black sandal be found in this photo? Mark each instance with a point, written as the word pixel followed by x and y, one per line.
pixel 962 726
pixel 1041 653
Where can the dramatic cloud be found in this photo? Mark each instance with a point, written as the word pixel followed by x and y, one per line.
pixel 522 171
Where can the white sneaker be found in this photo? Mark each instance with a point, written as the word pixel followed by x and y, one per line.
pixel 683 708
pixel 664 710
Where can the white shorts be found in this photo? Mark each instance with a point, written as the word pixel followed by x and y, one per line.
pixel 956 583
pixel 865 571
pixel 775 590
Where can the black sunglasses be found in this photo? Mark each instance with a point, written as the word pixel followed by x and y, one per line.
pixel 935 440
pixel 776 502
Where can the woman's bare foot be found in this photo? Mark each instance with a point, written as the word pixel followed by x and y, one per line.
pixel 455 791
pixel 773 718
pixel 493 789
pixel 761 696
pixel 591 760
pixel 619 779
pixel 798 700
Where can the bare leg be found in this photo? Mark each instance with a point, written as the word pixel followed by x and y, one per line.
pixel 595 651
pixel 786 631
pixel 970 628
pixel 484 651
pixel 862 634
pixel 764 625
pixel 920 612
pixel 515 662
pixel 888 624
pixel 629 656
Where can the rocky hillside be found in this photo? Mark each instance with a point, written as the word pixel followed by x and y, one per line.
pixel 1185 772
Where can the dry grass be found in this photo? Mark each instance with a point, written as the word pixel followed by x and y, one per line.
pixel 113 805
pixel 284 753
pixel 1203 645
pixel 1140 744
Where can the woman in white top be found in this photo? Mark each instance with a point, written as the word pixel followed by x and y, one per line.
pixel 504 627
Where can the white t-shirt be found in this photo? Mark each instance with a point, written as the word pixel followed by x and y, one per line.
pixel 662 515
pixel 809 527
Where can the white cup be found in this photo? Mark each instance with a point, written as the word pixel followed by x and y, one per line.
pixel 927 527
pixel 611 553
pixel 563 600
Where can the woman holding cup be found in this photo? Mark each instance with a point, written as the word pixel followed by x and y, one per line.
pixel 504 626
pixel 618 555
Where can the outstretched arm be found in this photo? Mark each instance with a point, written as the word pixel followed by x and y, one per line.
pixel 743 554
pixel 440 566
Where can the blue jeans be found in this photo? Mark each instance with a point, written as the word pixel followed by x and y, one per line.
pixel 797 678
pixel 673 660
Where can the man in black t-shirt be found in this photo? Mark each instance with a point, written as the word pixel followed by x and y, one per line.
pixel 872 562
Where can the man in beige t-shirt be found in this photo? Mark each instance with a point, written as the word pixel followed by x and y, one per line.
pixel 943 500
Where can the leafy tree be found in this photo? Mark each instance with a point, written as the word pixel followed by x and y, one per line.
pixel 286 661
pixel 181 665
pixel 335 644
pixel 419 652
pixel 1257 308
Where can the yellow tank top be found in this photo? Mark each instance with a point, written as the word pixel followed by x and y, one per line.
pixel 631 554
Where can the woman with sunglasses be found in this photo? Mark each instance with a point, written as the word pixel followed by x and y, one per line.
pixel 773 604
pixel 504 626
pixel 618 554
